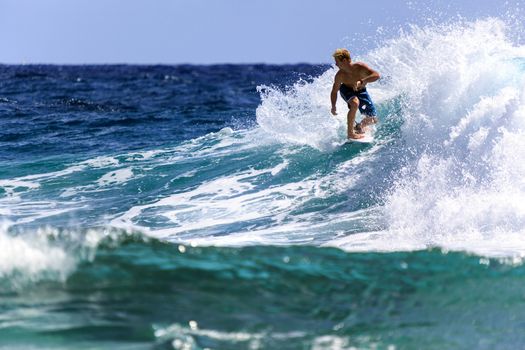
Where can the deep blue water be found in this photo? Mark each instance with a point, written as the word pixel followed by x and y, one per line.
pixel 218 207
pixel 89 110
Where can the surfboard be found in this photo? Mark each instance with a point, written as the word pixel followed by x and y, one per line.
pixel 369 138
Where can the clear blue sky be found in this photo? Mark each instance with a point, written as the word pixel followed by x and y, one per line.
pixel 213 31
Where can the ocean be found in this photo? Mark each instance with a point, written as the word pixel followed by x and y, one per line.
pixel 218 207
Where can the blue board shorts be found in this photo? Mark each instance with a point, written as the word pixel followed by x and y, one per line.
pixel 366 106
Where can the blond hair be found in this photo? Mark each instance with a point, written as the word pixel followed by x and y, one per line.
pixel 341 54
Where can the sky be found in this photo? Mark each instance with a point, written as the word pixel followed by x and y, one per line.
pixel 215 31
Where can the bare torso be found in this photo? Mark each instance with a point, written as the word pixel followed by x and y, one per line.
pixel 350 76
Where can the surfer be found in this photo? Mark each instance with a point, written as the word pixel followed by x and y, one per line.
pixel 351 80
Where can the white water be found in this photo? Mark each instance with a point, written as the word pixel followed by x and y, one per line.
pixel 464 119
pixel 45 254
pixel 461 89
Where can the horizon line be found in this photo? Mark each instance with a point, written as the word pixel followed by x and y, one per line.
pixel 163 63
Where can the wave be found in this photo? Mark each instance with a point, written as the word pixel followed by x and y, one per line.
pixel 458 91
pixel 100 286
pixel 463 124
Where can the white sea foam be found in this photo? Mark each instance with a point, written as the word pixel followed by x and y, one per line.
pixel 301 114
pixel 184 337
pixel 223 201
pixel 11 186
pixel 32 182
pixel 464 118
pixel 21 211
pixel 116 177
pixel 237 198
pixel 26 258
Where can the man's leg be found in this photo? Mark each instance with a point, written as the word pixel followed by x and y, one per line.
pixel 362 126
pixel 353 105
pixel 368 111
pixel 368 120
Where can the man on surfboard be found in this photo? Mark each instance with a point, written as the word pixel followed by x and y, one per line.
pixel 351 80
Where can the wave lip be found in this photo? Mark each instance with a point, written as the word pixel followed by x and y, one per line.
pixel 48 254
pixel 31 259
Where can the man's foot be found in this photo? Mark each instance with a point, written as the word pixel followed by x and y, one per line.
pixel 359 129
pixel 362 127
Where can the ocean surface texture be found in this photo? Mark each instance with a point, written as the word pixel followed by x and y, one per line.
pixel 217 207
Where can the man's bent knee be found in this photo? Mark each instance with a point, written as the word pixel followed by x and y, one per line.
pixel 353 103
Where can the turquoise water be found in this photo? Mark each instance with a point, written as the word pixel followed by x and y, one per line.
pixel 217 207
pixel 148 294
